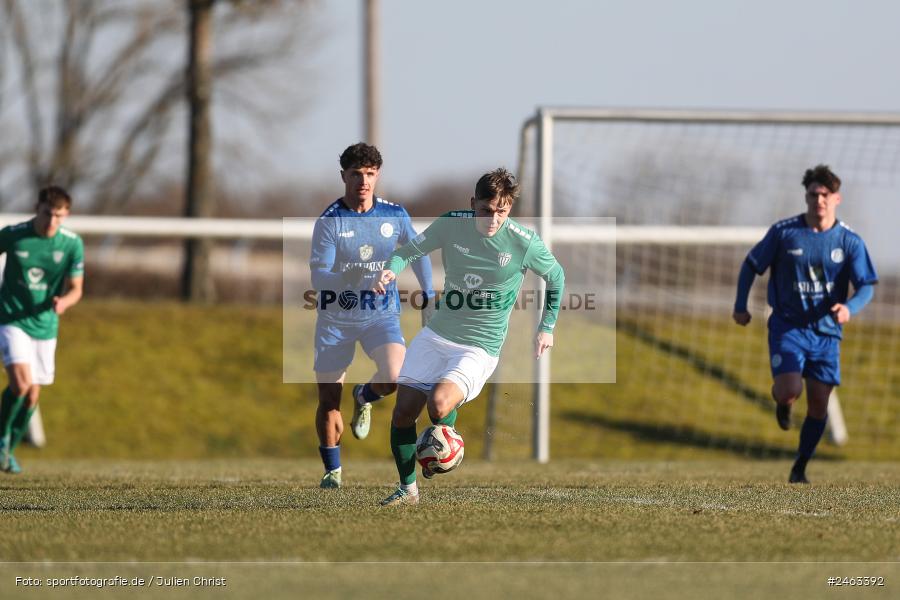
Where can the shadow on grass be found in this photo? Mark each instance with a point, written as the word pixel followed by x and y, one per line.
pixel 687 436
pixel 703 366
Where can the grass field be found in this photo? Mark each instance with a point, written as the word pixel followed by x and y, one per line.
pixel 682 526
pixel 164 380
pixel 175 450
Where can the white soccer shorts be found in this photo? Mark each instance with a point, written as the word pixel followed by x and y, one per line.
pixel 20 348
pixel 431 358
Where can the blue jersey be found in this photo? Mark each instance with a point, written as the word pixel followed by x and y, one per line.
pixel 346 242
pixel 811 271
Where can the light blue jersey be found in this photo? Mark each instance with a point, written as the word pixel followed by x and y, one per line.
pixel 811 271
pixel 345 241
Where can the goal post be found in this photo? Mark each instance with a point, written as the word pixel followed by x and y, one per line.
pixel 692 191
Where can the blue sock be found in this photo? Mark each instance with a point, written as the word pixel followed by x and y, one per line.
pixel 331 457
pixel 810 434
pixel 369 395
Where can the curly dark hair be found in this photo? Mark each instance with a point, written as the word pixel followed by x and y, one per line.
pixel 499 183
pixel 822 175
pixel 55 196
pixel 360 155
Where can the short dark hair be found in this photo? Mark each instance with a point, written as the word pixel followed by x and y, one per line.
pixel 360 155
pixel 499 183
pixel 55 196
pixel 822 175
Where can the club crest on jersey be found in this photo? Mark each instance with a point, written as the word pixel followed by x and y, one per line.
pixel 35 274
pixel 472 281
pixel 387 230
pixel 837 255
pixel 58 256
pixel 503 258
pixel 366 251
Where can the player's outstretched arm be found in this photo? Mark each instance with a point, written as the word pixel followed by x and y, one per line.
pixel 745 282
pixel 323 256
pixel 862 296
pixel 542 262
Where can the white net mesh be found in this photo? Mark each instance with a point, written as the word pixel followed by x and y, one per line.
pixel 688 379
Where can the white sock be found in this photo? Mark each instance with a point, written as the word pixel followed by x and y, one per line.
pixel 412 489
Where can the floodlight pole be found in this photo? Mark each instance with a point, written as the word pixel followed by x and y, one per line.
pixel 541 434
pixel 372 76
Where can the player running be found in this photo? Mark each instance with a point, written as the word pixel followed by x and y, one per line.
pixel 485 255
pixel 43 277
pixel 350 243
pixel 813 257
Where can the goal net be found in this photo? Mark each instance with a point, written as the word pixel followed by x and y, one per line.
pixel 691 192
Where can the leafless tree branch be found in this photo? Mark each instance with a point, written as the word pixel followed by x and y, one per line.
pixel 23 48
pixel 99 87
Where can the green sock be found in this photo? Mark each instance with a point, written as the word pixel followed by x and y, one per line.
pixel 450 419
pixel 9 408
pixel 20 425
pixel 403 445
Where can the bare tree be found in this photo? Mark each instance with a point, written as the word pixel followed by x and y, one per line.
pixel 95 89
pixel 196 277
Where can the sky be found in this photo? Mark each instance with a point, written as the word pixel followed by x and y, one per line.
pixel 460 78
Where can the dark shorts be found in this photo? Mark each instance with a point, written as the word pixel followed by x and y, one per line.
pixel 335 345
pixel 803 350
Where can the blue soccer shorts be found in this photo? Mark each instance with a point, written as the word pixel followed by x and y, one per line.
pixel 803 350
pixel 335 345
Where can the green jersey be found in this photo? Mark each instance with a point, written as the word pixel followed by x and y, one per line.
pixel 483 276
pixel 36 270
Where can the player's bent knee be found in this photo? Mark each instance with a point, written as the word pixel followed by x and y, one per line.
pixel 440 406
pixel 786 396
pixel 787 392
pixel 436 413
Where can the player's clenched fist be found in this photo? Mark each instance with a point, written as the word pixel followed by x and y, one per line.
pixel 741 318
pixel 384 279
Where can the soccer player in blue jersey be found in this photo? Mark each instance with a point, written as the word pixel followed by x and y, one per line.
pixel 351 241
pixel 813 258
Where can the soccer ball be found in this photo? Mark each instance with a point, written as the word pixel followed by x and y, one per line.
pixel 439 449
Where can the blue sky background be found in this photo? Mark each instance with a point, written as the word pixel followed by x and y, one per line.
pixel 459 79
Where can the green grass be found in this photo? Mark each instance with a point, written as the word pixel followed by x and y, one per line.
pixel 271 511
pixel 568 511
pixel 167 380
pixel 649 493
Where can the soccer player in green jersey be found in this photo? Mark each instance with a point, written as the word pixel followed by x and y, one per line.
pixel 485 256
pixel 43 278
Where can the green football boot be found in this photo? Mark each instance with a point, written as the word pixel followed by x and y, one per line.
pixel 13 466
pixel 5 454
